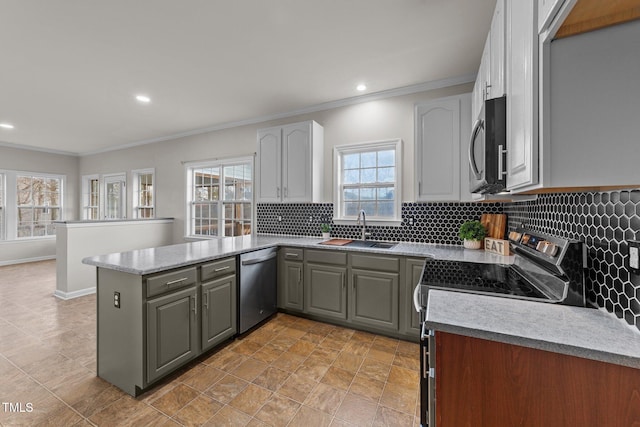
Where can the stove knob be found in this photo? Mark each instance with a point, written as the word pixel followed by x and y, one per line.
pixel 551 250
pixel 541 246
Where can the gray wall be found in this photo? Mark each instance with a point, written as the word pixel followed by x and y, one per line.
pixel 368 121
pixel 37 161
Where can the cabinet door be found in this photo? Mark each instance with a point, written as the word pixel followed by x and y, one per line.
pixel 296 162
pixel 522 94
pixel 374 298
pixel 413 274
pixel 292 285
pixel 325 291
pixel 269 168
pixel 171 332
pixel 438 149
pixel 497 53
pixel 218 311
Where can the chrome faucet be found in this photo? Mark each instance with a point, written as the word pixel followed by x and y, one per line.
pixel 364 223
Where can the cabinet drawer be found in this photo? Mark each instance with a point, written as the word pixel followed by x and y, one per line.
pixel 326 257
pixel 218 268
pixel 372 262
pixel 162 283
pixel 292 254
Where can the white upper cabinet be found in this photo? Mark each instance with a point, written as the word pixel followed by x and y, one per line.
pixel 522 94
pixel 290 163
pixel 496 82
pixel 441 126
pixel 490 81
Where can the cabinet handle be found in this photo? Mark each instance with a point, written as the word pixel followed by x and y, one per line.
pixel 173 282
pixel 290 255
pixel 354 283
pixel 299 277
pixel 501 172
pixel 206 301
pixel 195 308
pixel 425 364
pixel 221 269
pixel 487 86
pixel 286 191
pixel 343 281
pixel 278 191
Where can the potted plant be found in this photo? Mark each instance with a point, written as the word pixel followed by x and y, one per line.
pixel 473 233
pixel 326 230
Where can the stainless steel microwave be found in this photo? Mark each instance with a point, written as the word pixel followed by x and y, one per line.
pixel 487 149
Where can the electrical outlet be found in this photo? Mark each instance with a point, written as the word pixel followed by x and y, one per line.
pixel 310 219
pixel 633 257
pixel 279 218
pixel 116 299
pixel 410 221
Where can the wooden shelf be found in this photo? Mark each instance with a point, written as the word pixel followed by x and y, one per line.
pixel 589 15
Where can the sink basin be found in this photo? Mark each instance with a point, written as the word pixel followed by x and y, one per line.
pixel 371 244
pixel 384 245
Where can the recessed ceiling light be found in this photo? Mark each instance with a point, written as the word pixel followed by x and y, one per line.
pixel 6 125
pixel 361 87
pixel 143 98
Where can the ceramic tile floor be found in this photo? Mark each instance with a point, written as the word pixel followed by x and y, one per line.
pixel 289 372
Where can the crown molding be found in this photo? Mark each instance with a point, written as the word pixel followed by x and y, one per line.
pixel 39 149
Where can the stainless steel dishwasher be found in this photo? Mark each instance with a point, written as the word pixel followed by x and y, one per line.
pixel 257 287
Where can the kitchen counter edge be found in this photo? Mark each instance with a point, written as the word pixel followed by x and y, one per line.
pixel 575 331
pixel 153 260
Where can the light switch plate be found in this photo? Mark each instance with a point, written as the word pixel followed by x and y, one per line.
pixel 633 257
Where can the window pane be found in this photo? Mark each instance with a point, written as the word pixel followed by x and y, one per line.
pixel 385 193
pixel 351 161
pixel 386 175
pixel 367 194
pixel 368 160
pixel 351 208
pixel 368 207
pixel 351 194
pixel 385 209
pixel 386 158
pixel 368 176
pixel 352 176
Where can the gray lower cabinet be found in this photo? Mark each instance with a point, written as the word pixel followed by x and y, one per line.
pixel 219 317
pixel 150 325
pixel 374 298
pixel 172 337
pixel 325 291
pixel 290 279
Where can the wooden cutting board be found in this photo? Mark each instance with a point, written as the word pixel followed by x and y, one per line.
pixel 336 242
pixel 496 225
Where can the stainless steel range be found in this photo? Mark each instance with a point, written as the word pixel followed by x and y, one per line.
pixel 546 269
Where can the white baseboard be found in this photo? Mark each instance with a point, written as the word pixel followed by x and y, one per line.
pixel 25 260
pixel 75 294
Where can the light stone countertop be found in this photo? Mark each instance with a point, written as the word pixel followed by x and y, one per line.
pixel 153 260
pixel 576 331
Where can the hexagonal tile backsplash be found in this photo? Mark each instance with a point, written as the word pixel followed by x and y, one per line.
pixel 605 221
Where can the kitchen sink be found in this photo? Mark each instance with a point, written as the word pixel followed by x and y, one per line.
pixel 371 244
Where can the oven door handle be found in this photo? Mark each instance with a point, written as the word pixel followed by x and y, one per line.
pixel 424 332
pixel 416 298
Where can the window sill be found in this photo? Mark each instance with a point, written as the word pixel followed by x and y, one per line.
pixel 374 222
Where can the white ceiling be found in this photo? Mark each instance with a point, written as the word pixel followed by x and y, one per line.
pixel 70 68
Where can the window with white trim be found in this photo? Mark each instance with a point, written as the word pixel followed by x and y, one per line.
pixel 143 193
pixel 39 203
pixel 91 197
pixel 220 198
pixel 368 178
